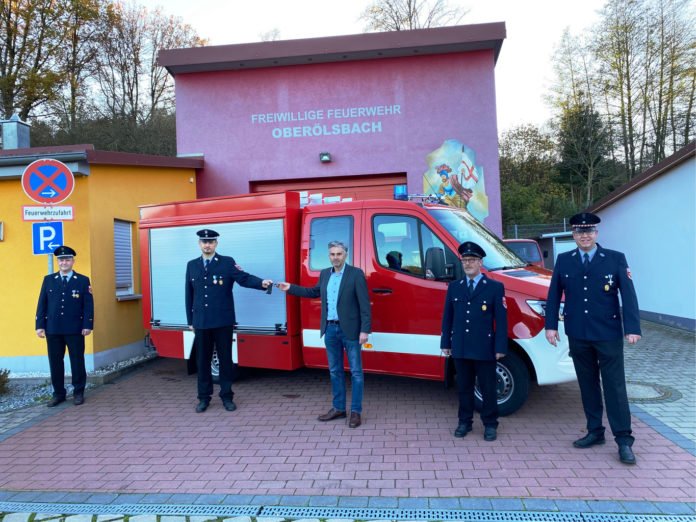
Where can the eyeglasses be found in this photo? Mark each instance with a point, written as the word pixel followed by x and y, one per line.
pixel 470 260
pixel 581 232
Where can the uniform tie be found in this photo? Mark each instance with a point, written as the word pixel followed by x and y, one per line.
pixel 206 263
pixel 586 262
pixel 65 280
pixel 471 287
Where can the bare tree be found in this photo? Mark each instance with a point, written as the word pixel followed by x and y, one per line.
pixel 401 15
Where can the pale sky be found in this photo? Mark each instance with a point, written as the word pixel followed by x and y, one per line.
pixel 523 71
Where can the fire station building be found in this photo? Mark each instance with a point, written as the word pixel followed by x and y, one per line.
pixel 346 115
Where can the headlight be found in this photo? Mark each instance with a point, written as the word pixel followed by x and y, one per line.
pixel 539 307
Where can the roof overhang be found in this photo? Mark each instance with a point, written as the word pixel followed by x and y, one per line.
pixel 367 46
pixel 78 159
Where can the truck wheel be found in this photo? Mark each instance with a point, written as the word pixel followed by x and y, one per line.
pixel 512 377
pixel 215 367
pixel 237 372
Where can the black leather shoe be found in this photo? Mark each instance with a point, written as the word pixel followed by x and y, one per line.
pixel 55 401
pixel 626 454
pixel 591 439
pixel 229 405
pixel 331 415
pixel 202 406
pixel 490 433
pixel 462 430
pixel 78 399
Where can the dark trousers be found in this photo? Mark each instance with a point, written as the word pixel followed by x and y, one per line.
pixel 56 352
pixel 593 359
pixel 207 340
pixel 467 372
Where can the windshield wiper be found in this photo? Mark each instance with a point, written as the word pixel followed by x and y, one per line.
pixel 507 267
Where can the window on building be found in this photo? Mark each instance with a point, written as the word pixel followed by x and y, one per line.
pixel 123 257
pixel 324 230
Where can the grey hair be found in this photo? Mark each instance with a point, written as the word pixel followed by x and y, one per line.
pixel 339 244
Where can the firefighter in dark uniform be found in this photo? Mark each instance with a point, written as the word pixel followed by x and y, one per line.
pixel 591 277
pixel 474 333
pixel 64 316
pixel 210 313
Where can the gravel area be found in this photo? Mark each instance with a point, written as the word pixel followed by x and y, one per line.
pixel 27 390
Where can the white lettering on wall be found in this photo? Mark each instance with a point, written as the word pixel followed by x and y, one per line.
pixel 312 122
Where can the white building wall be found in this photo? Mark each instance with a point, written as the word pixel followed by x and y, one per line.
pixel 655 226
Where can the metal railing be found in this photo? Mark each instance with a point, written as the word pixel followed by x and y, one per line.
pixel 535 230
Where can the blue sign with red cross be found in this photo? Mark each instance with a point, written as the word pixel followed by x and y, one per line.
pixel 48 181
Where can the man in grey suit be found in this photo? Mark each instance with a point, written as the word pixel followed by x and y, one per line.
pixel 345 325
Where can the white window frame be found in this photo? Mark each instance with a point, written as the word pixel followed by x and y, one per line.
pixel 123 257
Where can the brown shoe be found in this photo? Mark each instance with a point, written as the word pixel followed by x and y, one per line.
pixel 354 420
pixel 331 415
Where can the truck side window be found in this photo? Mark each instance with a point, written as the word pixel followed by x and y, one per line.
pixel 324 230
pixel 434 247
pixel 397 244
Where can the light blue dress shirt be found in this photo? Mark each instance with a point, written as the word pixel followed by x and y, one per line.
pixel 332 294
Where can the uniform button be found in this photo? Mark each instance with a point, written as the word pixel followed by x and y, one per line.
pixel 466 330
pixel 584 277
pixel 585 310
pixel 585 288
pixel 586 299
pixel 207 296
pixel 205 286
pixel 467 311
pixel 468 303
pixel 206 304
pixel 467 320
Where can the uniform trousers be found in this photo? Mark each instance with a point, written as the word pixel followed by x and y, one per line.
pixel 56 353
pixel 593 359
pixel 207 340
pixel 467 372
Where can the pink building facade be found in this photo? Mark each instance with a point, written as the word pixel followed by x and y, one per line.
pixel 400 107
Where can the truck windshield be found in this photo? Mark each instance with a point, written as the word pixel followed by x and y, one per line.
pixel 465 227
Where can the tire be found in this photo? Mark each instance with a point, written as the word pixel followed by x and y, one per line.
pixel 237 372
pixel 512 377
pixel 215 367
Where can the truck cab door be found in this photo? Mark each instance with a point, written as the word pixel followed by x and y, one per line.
pixel 407 267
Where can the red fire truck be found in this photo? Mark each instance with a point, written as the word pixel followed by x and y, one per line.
pixel 408 252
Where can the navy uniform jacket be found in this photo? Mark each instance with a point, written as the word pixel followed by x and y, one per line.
pixel 65 310
pixel 476 327
pixel 353 306
pixel 209 302
pixel 591 310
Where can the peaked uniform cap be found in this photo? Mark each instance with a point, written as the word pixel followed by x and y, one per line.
pixel 585 219
pixel 64 251
pixel 471 249
pixel 206 233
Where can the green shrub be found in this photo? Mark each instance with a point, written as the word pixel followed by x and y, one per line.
pixel 4 381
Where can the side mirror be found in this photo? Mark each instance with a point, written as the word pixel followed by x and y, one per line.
pixel 546 254
pixel 435 265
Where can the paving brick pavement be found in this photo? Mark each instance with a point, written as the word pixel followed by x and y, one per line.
pixel 141 435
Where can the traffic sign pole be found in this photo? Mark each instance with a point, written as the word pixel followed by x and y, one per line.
pixel 50 263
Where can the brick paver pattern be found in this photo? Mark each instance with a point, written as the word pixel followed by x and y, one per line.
pixel 142 435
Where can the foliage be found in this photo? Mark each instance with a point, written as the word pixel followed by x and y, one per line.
pixel 85 71
pixel 4 381
pixel 530 184
pixel 401 15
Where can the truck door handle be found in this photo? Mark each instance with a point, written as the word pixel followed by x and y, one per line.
pixel 382 290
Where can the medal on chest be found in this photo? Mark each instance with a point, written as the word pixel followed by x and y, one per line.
pixel 484 307
pixel 610 282
pixel 75 294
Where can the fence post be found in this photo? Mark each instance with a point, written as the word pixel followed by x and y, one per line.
pixel 515 230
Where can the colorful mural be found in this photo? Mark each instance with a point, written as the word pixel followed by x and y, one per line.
pixel 454 176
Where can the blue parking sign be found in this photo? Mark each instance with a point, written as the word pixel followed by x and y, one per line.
pixel 46 236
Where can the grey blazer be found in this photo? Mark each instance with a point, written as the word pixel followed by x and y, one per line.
pixel 353 305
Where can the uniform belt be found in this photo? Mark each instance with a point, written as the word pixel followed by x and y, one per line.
pixel 331 321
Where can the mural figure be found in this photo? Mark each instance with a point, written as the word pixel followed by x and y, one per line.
pixel 462 186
